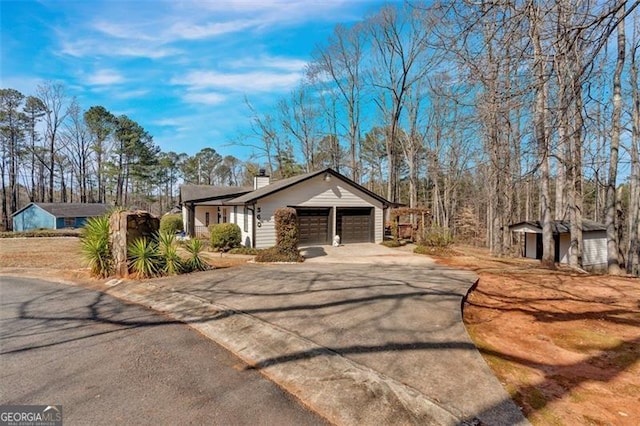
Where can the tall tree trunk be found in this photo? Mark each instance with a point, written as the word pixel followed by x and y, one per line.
pixel 542 137
pixel 611 214
pixel 633 252
pixel 575 189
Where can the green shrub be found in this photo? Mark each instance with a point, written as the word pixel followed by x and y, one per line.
pixel 287 237
pixel 244 250
pixel 171 223
pixel 94 243
pixel 287 232
pixel 195 262
pixel 43 233
pixel 437 237
pixel 273 254
pixel 144 258
pixel 225 236
pixel 391 243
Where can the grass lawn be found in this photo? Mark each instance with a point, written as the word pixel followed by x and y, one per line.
pixel 565 345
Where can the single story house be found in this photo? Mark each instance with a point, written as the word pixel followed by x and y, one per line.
pixel 594 241
pixel 327 204
pixel 56 215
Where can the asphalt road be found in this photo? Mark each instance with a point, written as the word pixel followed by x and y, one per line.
pixel 107 362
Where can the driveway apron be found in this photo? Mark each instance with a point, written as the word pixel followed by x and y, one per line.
pixel 352 329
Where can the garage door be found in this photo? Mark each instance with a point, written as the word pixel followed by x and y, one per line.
pixel 355 226
pixel 314 226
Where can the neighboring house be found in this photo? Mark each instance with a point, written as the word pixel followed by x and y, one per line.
pixel 327 204
pixel 55 215
pixel 594 241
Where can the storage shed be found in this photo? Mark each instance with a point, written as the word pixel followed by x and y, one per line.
pixel 594 241
pixel 56 215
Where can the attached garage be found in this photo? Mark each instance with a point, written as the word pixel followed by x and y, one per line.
pixel 327 204
pixel 313 225
pixel 354 225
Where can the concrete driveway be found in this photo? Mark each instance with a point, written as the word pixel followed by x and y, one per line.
pixel 362 334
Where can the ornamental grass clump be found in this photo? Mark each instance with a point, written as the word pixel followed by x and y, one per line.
pixel 94 243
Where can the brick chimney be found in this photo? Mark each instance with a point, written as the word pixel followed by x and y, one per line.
pixel 261 180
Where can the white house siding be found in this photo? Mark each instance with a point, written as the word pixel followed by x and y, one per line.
pixel 594 249
pixel 200 218
pixel 314 192
pixel 565 244
pixel 185 216
pixel 245 217
pixel 532 246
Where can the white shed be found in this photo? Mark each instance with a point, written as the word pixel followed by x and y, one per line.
pixel 594 241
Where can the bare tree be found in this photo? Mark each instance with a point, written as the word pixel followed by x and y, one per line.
pixel 342 60
pixel 299 118
pixel 611 214
pixel 633 251
pixel 77 144
pixel 54 99
pixel 34 110
pixel 541 133
pixel 401 59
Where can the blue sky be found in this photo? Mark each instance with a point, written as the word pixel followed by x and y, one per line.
pixel 179 68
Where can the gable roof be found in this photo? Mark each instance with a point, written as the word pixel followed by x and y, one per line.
pixel 210 192
pixel 562 226
pixel 61 210
pixel 279 185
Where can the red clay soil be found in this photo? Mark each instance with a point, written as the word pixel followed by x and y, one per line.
pixel 565 345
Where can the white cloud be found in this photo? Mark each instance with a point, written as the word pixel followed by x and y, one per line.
pixel 104 77
pixel 129 30
pixel 253 81
pixel 129 94
pixel 94 47
pixel 266 61
pixel 191 31
pixel 207 98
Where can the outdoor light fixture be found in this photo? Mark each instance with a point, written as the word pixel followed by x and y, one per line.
pixel 327 177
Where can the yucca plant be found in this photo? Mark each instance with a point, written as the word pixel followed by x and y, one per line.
pixel 170 261
pixel 95 248
pixel 165 240
pixel 195 262
pixel 144 258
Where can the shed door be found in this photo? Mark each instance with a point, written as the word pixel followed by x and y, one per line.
pixel 355 225
pixel 314 226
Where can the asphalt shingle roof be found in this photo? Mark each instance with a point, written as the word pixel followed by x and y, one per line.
pixel 285 183
pixel 564 226
pixel 72 209
pixel 209 192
